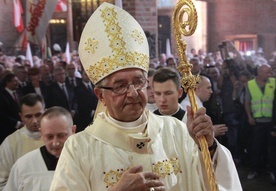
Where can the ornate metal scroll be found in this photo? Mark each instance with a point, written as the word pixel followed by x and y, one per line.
pixel 184 23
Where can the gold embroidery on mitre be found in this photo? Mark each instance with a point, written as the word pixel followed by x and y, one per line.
pixel 91 44
pixel 120 58
pixel 137 36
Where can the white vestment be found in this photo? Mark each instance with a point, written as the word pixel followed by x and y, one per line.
pixel 13 147
pixel 95 159
pixel 186 102
pixel 30 173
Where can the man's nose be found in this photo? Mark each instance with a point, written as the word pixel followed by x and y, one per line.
pixel 131 91
pixel 162 98
pixel 55 142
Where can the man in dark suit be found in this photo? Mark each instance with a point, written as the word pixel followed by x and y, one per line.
pixel 9 106
pixel 87 102
pixel 62 94
pixel 22 76
pixel 71 78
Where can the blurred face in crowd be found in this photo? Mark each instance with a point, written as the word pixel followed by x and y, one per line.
pixel 125 107
pixel 70 68
pixel 166 96
pixel 214 73
pixel 171 63
pixel 50 64
pixel 60 76
pixel 21 73
pixel 55 131
pixel 196 66
pixel 150 91
pixel 204 89
pixel 30 115
pixel 264 72
pixel 84 76
pixel 13 84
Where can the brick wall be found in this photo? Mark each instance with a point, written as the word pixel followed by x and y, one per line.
pixel 145 12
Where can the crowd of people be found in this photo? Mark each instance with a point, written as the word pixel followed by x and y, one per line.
pixel 127 147
pixel 238 92
pixel 58 82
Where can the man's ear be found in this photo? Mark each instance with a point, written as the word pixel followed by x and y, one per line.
pixel 180 92
pixel 197 88
pixel 99 93
pixel 74 128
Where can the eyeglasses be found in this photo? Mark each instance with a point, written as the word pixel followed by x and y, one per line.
pixel 122 88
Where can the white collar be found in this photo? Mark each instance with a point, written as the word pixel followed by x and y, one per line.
pixel 31 134
pixel 137 126
pixel 172 113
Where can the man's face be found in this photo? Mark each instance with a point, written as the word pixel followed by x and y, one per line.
pixel 22 74
pixel 204 90
pixel 124 107
pixel 166 96
pixel 60 76
pixel 195 68
pixel 30 115
pixel 171 63
pixel 13 84
pixel 84 76
pixel 264 73
pixel 71 70
pixel 44 70
pixel 214 74
pixel 150 91
pixel 54 132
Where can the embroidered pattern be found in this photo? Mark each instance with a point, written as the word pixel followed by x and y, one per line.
pixel 112 177
pixel 167 167
pixel 121 58
pixel 91 45
pixel 140 145
pixel 137 36
pixel 162 168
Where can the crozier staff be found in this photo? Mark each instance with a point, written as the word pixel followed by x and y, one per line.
pixel 127 147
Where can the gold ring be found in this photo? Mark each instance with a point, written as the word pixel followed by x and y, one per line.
pixel 152 189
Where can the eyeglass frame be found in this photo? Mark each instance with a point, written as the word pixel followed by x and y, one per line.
pixel 126 88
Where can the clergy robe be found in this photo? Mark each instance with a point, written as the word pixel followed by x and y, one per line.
pixel 30 173
pixel 95 159
pixel 13 147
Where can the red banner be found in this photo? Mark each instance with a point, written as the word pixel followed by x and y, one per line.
pixel 39 14
pixel 17 18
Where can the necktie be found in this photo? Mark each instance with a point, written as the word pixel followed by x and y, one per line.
pixel 64 90
pixel 89 88
pixel 15 97
pixel 72 83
